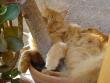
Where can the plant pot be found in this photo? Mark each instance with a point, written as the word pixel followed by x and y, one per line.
pixel 40 77
pixel 36 66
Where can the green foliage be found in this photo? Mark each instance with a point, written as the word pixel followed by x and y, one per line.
pixel 10 74
pixel 14 73
pixel 3 10
pixel 12 12
pixel 9 38
pixel 15 81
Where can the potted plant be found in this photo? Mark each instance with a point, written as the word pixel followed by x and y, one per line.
pixel 10 40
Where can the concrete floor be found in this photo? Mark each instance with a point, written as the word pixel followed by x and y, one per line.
pixel 91 13
pixel 87 13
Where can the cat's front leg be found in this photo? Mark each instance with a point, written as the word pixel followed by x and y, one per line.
pixel 56 52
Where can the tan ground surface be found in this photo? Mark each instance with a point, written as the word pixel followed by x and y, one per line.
pixel 84 12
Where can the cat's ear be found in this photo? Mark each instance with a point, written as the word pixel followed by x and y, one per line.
pixel 64 13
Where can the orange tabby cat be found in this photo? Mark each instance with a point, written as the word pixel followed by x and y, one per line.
pixel 83 56
pixel 82 59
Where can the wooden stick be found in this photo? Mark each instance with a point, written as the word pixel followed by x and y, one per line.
pixel 37 27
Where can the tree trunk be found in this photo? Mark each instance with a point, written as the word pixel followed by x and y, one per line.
pixel 37 27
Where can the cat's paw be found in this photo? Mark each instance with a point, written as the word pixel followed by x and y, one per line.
pixel 51 67
pixel 45 71
pixel 55 54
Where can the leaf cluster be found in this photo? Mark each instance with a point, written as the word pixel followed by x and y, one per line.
pixel 10 42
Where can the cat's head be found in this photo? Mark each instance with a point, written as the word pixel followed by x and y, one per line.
pixel 54 15
pixel 53 18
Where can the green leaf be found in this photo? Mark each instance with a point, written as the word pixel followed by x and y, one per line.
pixel 14 73
pixel 13 11
pixel 15 81
pixel 10 74
pixel 14 43
pixel 3 10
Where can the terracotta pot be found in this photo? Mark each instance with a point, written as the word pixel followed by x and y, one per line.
pixel 39 77
pixel 37 64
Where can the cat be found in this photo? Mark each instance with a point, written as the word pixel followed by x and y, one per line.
pixel 83 56
pixel 82 59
